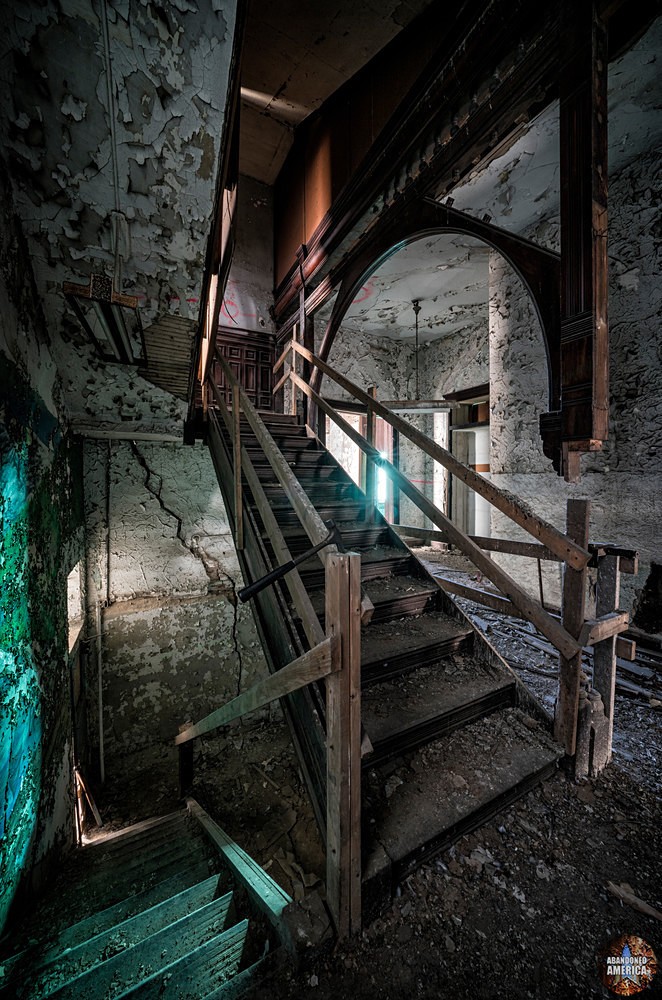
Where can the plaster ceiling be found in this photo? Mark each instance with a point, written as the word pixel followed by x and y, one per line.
pixel 295 56
pixel 520 192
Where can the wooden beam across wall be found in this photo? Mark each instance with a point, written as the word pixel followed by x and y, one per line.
pixel 584 265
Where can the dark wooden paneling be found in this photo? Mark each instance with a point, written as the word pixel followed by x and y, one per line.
pixel 251 358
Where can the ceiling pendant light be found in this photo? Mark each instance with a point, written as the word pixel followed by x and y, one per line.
pixel 417 308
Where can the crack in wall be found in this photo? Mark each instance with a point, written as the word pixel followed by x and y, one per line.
pixel 210 565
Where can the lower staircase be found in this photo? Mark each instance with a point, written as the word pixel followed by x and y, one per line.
pixel 154 910
pixel 451 736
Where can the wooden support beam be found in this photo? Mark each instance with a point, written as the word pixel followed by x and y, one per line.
pixel 605 652
pixel 607 626
pixel 318 662
pixel 494 601
pixel 574 603
pixel 236 453
pixel 370 470
pixel 626 649
pixel 531 550
pixel 550 536
pixel 343 729
pixel 584 265
pixel 531 610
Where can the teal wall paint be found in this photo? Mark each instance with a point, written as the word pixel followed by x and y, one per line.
pixel 40 511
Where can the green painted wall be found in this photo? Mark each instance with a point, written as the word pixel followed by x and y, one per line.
pixel 40 511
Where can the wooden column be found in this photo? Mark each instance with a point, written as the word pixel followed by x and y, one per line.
pixel 370 470
pixel 604 653
pixel 584 330
pixel 396 462
pixel 236 449
pixel 573 613
pixel 294 362
pixel 343 734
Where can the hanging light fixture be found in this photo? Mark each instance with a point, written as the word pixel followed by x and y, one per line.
pixel 110 319
pixel 417 308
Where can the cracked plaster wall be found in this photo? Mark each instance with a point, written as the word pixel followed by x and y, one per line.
pixel 624 480
pixel 176 643
pixel 249 291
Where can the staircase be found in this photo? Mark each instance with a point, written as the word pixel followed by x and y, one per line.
pixel 154 910
pixel 451 736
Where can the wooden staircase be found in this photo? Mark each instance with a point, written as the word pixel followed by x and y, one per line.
pixel 154 910
pixel 453 735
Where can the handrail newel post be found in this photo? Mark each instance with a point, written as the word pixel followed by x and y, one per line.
pixel 343 730
pixel 370 469
pixel 236 449
pixel 573 614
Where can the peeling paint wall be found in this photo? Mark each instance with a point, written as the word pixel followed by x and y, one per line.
pixel 176 644
pixel 112 118
pixel 40 542
pixel 624 481
pixel 249 291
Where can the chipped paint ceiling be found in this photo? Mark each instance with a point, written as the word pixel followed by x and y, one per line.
pixel 295 56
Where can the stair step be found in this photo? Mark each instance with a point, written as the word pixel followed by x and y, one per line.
pixel 134 838
pixel 449 788
pixel 355 537
pixel 390 648
pixel 318 492
pixel 127 932
pixel 291 445
pixel 112 879
pixel 274 417
pixel 392 597
pixel 125 970
pixel 353 511
pixel 404 713
pixel 245 980
pixel 380 561
pixel 96 923
pixel 305 462
pixel 206 969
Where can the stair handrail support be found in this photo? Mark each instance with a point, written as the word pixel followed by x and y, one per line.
pixel 343 735
pixel 570 549
pixel 336 659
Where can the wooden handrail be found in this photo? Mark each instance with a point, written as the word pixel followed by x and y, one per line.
pixel 282 358
pixel 310 520
pixel 293 581
pixel 318 662
pixel 532 611
pixel 530 550
pixel 560 544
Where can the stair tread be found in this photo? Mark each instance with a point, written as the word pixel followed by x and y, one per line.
pixel 124 970
pixel 96 948
pixel 209 966
pixel 448 782
pixel 51 944
pixel 384 640
pixel 427 693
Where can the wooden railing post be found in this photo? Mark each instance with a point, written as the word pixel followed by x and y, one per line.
pixel 370 470
pixel 236 448
pixel 604 652
pixel 343 733
pixel 293 368
pixel 573 613
pixel 185 769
